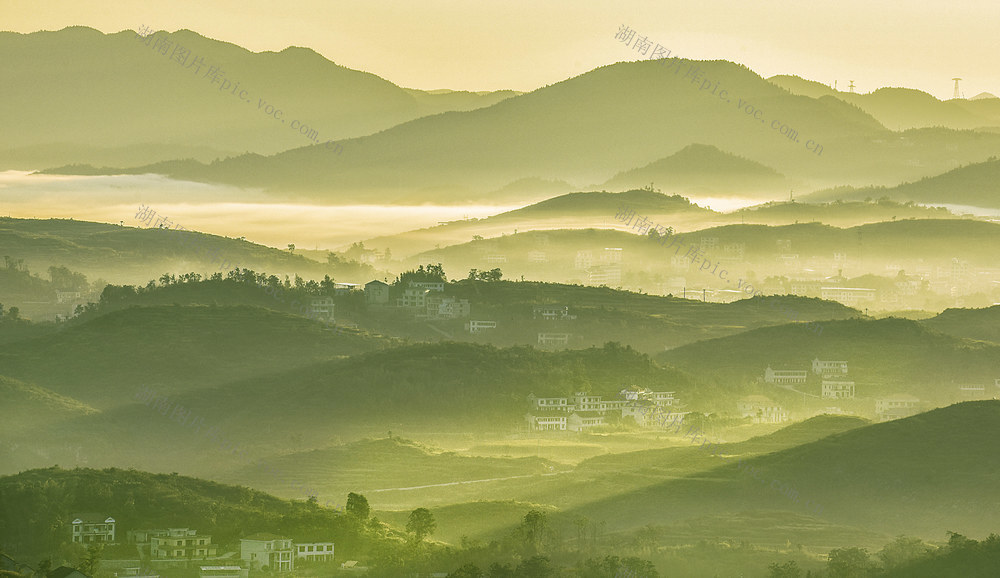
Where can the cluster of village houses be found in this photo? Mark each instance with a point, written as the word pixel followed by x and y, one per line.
pixel 583 411
pixel 427 300
pixel 837 385
pixel 176 547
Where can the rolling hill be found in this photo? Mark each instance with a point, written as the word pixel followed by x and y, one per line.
pixel 904 108
pixel 704 170
pixel 885 356
pixel 161 104
pixel 973 185
pixel 866 477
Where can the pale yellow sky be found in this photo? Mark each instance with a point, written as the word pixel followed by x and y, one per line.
pixel 525 44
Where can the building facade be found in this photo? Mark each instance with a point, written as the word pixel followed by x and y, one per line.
pixel 268 551
pixel 90 528
pixel 317 551
pixel 180 543
pixel 784 376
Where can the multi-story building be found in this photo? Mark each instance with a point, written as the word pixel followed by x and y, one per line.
pixel 761 409
pixel 850 296
pixel 413 297
pixel 222 572
pixel 437 286
pixel 547 422
pixel 838 389
pixel 896 406
pixel 584 420
pixel 267 551
pixel 321 308
pixel 376 293
pixel 584 260
pixel 610 275
pixel 548 403
pixel 447 307
pixel 180 543
pixel 480 326
pixel 553 339
pixel 319 551
pixel 583 401
pixel 829 368
pixel 550 312
pixel 784 376
pixel 612 255
pixel 89 528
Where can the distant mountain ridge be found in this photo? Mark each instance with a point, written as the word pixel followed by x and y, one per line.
pixel 154 107
pixel 703 169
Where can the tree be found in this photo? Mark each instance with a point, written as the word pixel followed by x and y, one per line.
pixel 421 524
pixel 469 570
pixel 357 506
pixel 902 550
pixel 789 569
pixel 498 570
pixel 536 567
pixel 533 528
pixel 291 247
pixel 849 563
pixel 93 559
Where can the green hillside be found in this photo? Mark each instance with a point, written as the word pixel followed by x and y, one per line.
pixel 982 324
pixel 973 184
pixel 372 467
pixel 257 408
pixel 171 349
pixel 706 170
pixel 866 477
pixel 571 210
pixel 131 254
pixel 885 356
pixel 27 407
pixel 37 506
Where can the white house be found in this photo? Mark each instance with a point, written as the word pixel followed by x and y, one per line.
pixel 180 543
pixel 550 312
pixel 553 339
pixel 850 296
pixel 548 403
pixel 784 376
pixel 584 420
pixel 480 326
pixel 267 550
pixel 610 275
pixel 429 285
pixel 88 528
pixel 320 551
pixel 222 572
pixel 761 409
pixel 414 297
pixel 546 422
pixel 896 406
pixel 447 307
pixel 583 401
pixel 321 308
pixel 838 389
pixel 826 368
pixel 67 296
